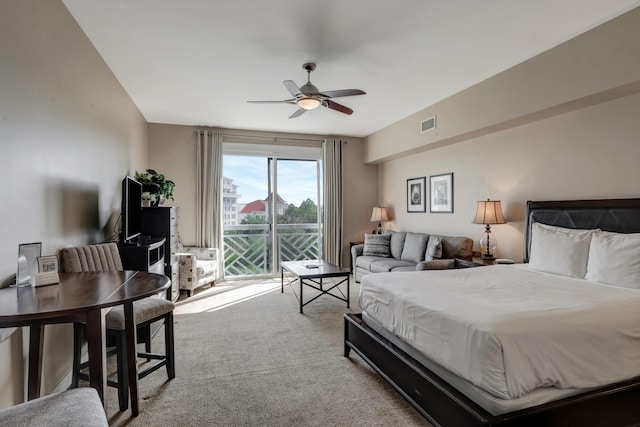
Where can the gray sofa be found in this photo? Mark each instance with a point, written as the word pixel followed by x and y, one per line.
pixel 408 251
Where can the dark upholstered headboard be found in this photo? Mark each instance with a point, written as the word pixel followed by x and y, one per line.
pixel 617 215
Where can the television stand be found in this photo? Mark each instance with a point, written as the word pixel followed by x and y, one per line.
pixel 147 256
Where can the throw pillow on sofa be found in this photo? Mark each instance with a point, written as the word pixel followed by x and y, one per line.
pixel 377 245
pixel 414 247
pixel 397 242
pixel 434 248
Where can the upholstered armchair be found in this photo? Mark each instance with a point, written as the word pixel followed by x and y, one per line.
pixel 198 267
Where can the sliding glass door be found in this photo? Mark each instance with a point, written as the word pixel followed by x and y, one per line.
pixel 298 224
pixel 271 213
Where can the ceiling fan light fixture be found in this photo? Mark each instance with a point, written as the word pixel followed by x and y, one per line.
pixel 308 103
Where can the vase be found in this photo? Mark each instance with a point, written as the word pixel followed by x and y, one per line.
pixel 159 200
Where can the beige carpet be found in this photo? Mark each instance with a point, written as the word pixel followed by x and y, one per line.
pixel 246 357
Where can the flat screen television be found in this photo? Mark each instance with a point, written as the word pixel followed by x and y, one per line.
pixel 131 209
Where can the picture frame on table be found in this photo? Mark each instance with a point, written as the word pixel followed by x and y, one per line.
pixel 441 191
pixel 416 194
pixel 28 254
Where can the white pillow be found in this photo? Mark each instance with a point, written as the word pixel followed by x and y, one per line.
pixel 559 250
pixel 614 258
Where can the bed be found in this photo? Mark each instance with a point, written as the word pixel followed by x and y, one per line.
pixel 448 397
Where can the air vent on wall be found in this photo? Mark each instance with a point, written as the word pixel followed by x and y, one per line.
pixel 429 124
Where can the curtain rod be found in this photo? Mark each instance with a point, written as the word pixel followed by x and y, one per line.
pixel 275 139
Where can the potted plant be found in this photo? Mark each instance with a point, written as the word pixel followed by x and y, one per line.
pixel 146 199
pixel 157 185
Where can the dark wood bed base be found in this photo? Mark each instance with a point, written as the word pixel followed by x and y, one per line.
pixel 442 404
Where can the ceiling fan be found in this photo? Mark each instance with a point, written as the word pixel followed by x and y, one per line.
pixel 309 97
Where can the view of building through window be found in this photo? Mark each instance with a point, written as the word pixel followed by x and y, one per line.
pixel 246 188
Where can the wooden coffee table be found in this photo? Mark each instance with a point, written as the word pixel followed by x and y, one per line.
pixel 312 274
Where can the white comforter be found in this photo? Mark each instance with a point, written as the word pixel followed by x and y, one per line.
pixel 510 330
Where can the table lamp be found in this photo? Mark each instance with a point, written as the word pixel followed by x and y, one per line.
pixel 379 214
pixel 489 212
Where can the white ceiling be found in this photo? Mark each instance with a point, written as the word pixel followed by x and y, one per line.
pixel 197 62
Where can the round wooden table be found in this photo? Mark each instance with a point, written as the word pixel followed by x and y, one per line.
pixel 81 297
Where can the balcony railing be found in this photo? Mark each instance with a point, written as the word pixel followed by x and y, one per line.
pixel 248 247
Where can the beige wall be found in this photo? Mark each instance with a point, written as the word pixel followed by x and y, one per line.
pixel 591 153
pixel 360 195
pixel 172 150
pixel 563 125
pixel 68 135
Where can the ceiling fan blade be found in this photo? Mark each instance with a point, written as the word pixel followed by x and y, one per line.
pixel 298 113
pixel 292 87
pixel 338 107
pixel 343 92
pixel 286 101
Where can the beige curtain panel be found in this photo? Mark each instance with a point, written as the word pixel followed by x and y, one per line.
pixel 209 190
pixel 332 214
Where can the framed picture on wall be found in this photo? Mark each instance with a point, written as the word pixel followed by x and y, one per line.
pixel 416 188
pixel 441 190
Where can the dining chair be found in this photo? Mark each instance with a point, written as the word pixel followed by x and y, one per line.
pixel 106 257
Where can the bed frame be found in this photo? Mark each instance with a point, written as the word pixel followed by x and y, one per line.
pixel 442 404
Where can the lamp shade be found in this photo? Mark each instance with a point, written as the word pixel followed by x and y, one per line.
pixel 379 213
pixel 489 212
